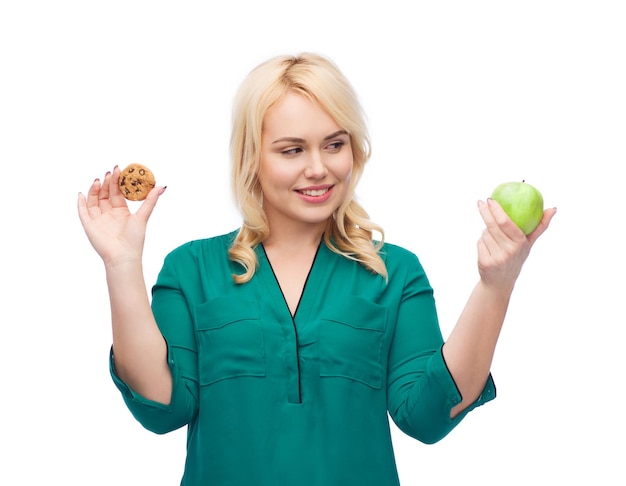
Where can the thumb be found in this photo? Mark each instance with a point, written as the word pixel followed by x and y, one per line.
pixel 145 210
pixel 543 225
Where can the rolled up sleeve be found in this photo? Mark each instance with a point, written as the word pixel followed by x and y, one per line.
pixel 173 317
pixel 421 390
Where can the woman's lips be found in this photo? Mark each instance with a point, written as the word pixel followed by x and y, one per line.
pixel 315 194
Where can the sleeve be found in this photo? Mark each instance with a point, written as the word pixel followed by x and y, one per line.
pixel 421 391
pixel 173 316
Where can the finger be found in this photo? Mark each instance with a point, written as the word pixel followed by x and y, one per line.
pixel 482 247
pixel 491 223
pixel 83 212
pixel 92 197
pixel 146 208
pixel 115 195
pixel 548 214
pixel 484 212
pixel 501 237
pixel 505 224
pixel 103 195
pixel 490 250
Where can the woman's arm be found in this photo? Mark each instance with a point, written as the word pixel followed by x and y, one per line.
pixel 140 352
pixel 502 251
pixel 118 237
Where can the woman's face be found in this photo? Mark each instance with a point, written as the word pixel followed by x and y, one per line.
pixel 306 163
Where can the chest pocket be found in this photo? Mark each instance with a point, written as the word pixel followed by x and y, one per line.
pixel 351 341
pixel 230 340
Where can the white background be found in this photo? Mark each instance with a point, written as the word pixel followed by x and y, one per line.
pixel 460 96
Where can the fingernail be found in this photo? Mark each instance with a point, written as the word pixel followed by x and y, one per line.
pixel 162 190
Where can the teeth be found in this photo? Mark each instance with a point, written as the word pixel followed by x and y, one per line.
pixel 315 192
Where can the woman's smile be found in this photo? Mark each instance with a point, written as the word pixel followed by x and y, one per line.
pixel 315 194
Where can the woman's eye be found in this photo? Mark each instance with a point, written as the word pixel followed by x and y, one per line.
pixel 335 146
pixel 292 151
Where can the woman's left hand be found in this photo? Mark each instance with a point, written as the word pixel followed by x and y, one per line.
pixel 503 247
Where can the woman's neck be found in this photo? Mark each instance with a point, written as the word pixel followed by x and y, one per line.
pixel 303 237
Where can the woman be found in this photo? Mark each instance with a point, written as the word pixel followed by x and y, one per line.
pixel 283 345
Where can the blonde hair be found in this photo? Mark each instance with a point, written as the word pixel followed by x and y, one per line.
pixel 349 232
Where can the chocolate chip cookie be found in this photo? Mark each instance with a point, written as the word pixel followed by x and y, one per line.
pixel 136 181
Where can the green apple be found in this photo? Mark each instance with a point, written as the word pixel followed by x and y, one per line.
pixel 522 202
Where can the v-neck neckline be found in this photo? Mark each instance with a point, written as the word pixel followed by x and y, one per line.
pixel 271 277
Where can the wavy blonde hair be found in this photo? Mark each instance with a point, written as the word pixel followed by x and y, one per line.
pixel 349 232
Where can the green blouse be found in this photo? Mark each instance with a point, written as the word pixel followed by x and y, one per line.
pixel 273 400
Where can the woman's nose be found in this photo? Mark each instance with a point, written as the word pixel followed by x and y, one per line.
pixel 315 168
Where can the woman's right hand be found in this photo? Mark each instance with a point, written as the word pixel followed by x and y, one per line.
pixel 116 234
